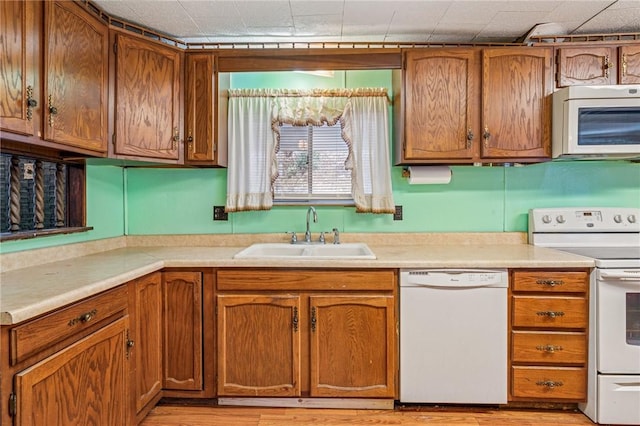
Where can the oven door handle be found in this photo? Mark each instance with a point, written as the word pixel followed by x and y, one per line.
pixel 622 275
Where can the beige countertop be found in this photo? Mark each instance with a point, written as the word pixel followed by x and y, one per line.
pixel 31 291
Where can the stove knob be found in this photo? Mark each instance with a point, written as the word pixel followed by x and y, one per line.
pixel 560 219
pixel 617 218
pixel 632 218
pixel 546 218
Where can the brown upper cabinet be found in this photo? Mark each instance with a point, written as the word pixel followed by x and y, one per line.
pixel 598 65
pixel 443 112
pixel 205 111
pixel 19 93
pixel 55 91
pixel 75 77
pixel 147 85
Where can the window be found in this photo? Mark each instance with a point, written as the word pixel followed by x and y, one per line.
pixel 40 197
pixel 311 164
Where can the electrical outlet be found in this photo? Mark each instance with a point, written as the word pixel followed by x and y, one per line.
pixel 398 214
pixel 219 213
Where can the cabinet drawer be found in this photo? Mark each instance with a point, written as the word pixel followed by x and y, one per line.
pixel 549 312
pixel 31 337
pixel 548 348
pixel 553 383
pixel 551 281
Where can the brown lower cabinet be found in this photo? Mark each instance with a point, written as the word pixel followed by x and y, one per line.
pixel 69 367
pixel 313 333
pixel 548 341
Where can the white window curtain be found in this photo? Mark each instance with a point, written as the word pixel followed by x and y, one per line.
pixel 254 119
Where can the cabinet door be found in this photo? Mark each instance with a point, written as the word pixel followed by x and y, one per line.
pixel 148 338
pixel 629 64
pixel 441 103
pixel 17 73
pixel 591 65
pixel 84 384
pixel 258 345
pixel 200 107
pixel 182 292
pixel 75 77
pixel 516 107
pixel 352 346
pixel 147 88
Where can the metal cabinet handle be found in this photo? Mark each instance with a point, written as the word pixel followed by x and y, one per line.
pixel 175 139
pixel 607 65
pixel 31 103
pixel 550 314
pixel 549 348
pixel 470 137
pixel 295 319
pixel 550 283
pixel 83 318
pixel 549 384
pixel 190 141
pixel 486 135
pixel 314 320
pixel 624 64
pixel 52 111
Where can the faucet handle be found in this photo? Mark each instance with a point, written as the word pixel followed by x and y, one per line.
pixel 336 236
pixel 321 239
pixel 294 237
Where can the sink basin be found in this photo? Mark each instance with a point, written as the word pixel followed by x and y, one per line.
pixel 306 251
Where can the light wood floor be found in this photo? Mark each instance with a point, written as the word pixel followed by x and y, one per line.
pixel 167 415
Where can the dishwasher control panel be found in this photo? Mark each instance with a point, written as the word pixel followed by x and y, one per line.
pixel 454 277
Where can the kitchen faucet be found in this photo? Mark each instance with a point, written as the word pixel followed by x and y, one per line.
pixel 307 234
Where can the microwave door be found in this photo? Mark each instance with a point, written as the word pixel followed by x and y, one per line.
pixel 603 127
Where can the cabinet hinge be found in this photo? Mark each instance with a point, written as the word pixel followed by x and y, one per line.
pixel 13 404
pixel 115 47
pixel 113 139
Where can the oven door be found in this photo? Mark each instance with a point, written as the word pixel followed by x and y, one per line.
pixel 618 321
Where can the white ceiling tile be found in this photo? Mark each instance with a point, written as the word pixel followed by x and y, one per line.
pixel 613 20
pixel 317 25
pixel 314 7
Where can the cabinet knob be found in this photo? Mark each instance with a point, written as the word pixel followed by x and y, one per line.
pixel 486 135
pixel 130 343
pixel 549 384
pixel 550 283
pixel 470 137
pixel 550 314
pixel 52 111
pixel 31 103
pixel 549 348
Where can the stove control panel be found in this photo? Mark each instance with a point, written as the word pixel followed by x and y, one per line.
pixel 567 219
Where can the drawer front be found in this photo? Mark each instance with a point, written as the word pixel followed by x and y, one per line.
pixel 549 312
pixel 559 383
pixel 551 281
pixel 306 279
pixel 31 337
pixel 548 348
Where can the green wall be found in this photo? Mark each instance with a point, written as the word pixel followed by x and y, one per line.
pixel 482 199
pixel 148 201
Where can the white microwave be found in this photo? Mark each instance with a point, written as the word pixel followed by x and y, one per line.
pixel 596 121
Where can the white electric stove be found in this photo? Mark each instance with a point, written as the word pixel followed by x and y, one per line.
pixel 611 236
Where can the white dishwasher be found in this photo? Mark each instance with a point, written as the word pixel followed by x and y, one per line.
pixel 453 336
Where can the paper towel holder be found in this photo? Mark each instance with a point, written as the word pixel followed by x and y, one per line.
pixel 406 173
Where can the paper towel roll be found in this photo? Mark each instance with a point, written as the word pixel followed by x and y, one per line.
pixel 425 175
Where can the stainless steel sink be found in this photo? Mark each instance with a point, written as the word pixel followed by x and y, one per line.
pixel 306 251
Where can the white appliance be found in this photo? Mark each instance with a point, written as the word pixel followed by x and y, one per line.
pixel 596 121
pixel 611 236
pixel 453 336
